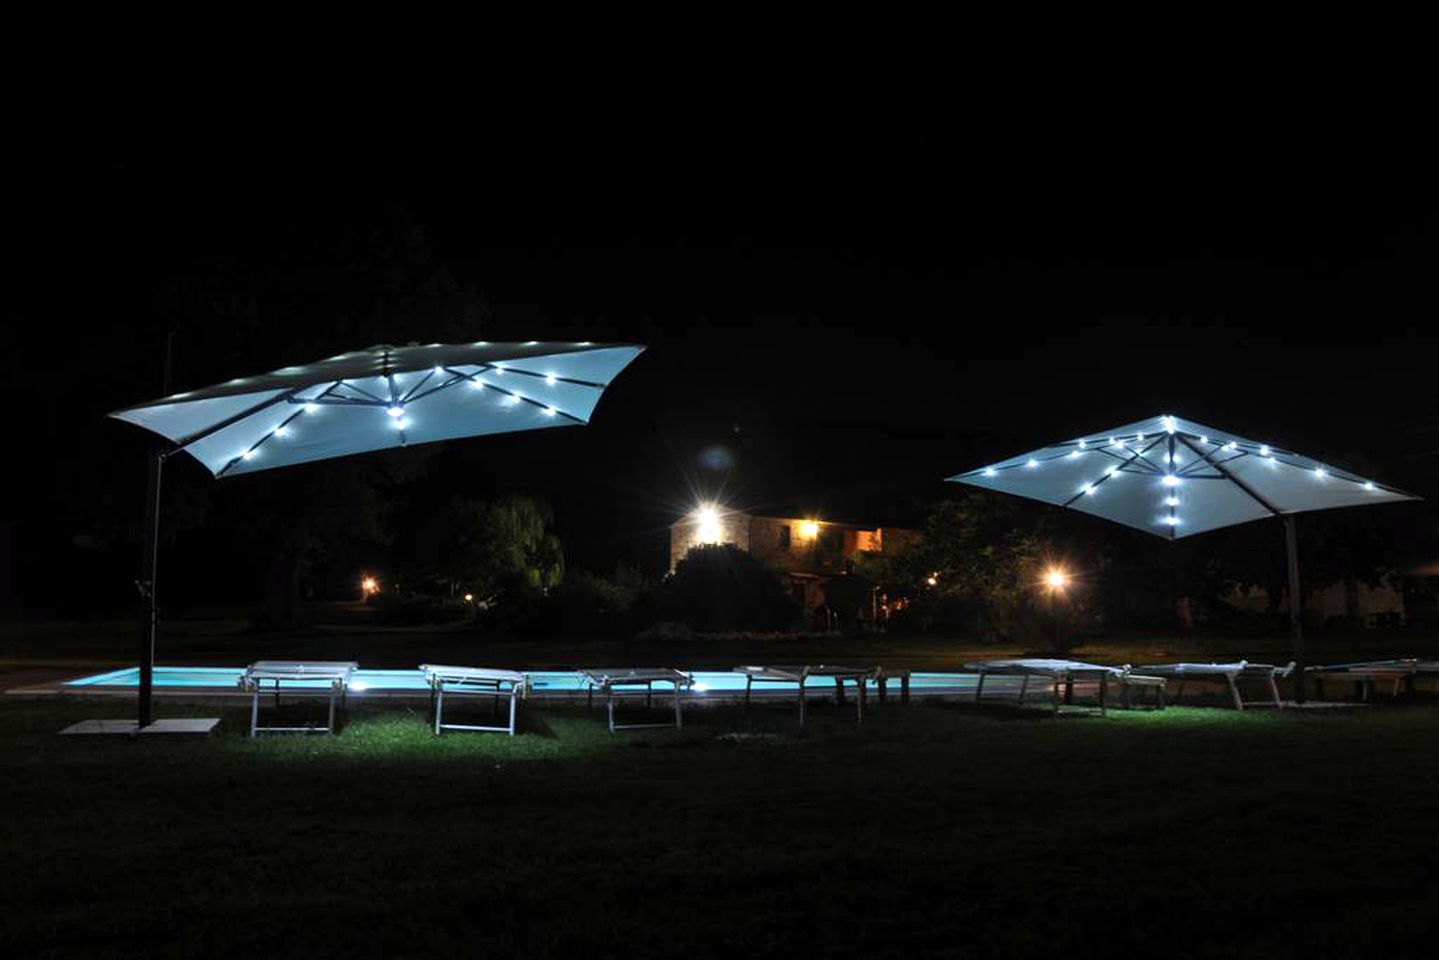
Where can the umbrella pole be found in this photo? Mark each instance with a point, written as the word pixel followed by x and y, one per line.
pixel 149 561
pixel 1296 611
pixel 148 614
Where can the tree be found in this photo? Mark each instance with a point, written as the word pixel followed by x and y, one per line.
pixel 980 564
pixel 721 587
pixel 504 547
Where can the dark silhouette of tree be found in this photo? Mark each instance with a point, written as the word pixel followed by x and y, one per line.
pixel 721 587
pixel 493 549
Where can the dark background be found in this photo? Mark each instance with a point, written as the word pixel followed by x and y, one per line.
pixel 853 278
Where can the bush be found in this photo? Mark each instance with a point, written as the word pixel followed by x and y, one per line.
pixel 721 587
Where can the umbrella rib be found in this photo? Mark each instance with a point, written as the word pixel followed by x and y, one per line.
pixel 1106 475
pixel 416 393
pixel 490 384
pixel 236 418
pixel 410 395
pixel 359 389
pixel 546 376
pixel 1235 480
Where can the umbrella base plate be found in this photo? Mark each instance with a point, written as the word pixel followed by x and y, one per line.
pixel 178 726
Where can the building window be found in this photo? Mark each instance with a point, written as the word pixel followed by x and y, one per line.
pixel 831 540
pixel 784 537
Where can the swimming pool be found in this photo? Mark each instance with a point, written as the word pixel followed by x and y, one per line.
pixel 713 684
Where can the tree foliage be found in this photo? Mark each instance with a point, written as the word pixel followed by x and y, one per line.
pixel 721 587
pixel 978 570
pixel 503 547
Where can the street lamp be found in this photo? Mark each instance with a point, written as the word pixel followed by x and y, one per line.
pixel 1057 580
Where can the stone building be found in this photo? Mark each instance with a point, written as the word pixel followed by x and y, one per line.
pixel 806 554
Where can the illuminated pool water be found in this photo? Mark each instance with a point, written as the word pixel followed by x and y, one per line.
pixel 542 683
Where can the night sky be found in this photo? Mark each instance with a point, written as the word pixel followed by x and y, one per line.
pixel 852 283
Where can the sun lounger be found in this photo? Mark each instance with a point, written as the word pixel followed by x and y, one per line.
pixel 473 682
pixel 1365 675
pixel 1229 673
pixel 615 681
pixel 1138 683
pixel 1063 673
pixel 797 675
pixel 330 675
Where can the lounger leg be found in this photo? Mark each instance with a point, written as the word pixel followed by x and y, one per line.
pixel 881 686
pixel 1069 690
pixel 748 682
pixel 438 697
pixel 254 710
pixel 838 691
pixel 859 698
pixel 979 687
pixel 513 701
pixel 331 727
pixel 1103 695
pixel 801 701
pixel 679 716
pixel 904 689
pixel 649 693
pixel 1234 692
pixel 1274 689
pixel 1023 688
pixel 610 698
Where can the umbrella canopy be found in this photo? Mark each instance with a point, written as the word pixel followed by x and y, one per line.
pixel 383 397
pixel 372 399
pixel 1174 478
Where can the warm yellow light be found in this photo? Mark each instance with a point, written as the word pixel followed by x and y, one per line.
pixel 931 580
pixel 809 529
pixel 369 585
pixel 1056 578
pixel 469 598
pixel 707 518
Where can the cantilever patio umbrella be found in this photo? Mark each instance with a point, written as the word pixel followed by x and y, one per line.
pixel 1176 478
pixel 373 399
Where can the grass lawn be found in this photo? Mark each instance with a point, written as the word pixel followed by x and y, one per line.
pixel 934 829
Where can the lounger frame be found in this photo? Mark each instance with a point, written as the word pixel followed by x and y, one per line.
pixel 615 682
pixel 279 671
pixel 797 675
pixel 497 685
pixel 1229 672
pixel 1063 674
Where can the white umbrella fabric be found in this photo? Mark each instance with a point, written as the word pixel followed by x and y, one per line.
pixel 1175 478
pixel 383 397
pixel 379 398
